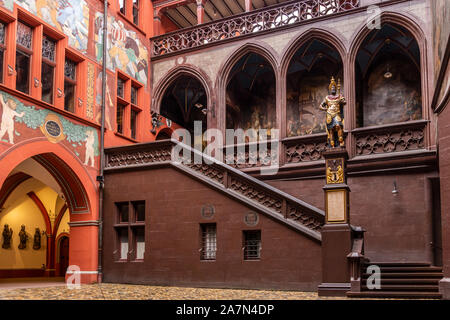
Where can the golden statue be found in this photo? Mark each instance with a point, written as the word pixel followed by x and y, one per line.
pixel 333 104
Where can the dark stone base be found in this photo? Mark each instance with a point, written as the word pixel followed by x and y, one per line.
pixel 333 289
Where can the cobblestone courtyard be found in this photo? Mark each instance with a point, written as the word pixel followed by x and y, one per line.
pixel 109 291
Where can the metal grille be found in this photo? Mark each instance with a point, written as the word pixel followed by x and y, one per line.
pixel 209 242
pixel 252 245
pixel 48 48
pixel 2 33
pixel 70 69
pixel 24 35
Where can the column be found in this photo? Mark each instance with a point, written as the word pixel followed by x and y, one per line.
pixel 336 233
pixel 200 11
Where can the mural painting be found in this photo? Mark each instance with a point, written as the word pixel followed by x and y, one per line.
pixel 126 51
pixel 90 91
pixel 8 4
pixel 70 17
pixel 441 31
pixel 303 113
pixel 392 99
pixel 109 108
pixel 20 122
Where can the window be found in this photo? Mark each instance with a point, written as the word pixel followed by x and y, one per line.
pixel 130 230
pixel 252 245
pixel 48 68
pixel 130 9
pixel 123 212
pixel 139 210
pixel 2 49
pixel 136 12
pixel 119 117
pixel 209 242
pixel 127 112
pixel 122 6
pixel 120 88
pixel 24 51
pixel 70 82
pixel 123 234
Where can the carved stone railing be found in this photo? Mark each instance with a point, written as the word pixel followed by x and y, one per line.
pixel 263 19
pixel 390 138
pixel 305 148
pixel 249 155
pixel 278 204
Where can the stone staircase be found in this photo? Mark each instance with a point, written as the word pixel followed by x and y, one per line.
pixel 402 280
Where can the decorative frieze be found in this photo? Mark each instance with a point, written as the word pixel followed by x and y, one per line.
pixel 301 216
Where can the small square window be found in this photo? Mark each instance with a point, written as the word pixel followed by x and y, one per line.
pixel 139 234
pixel 134 95
pixel 120 88
pixel 123 240
pixel 123 211
pixel 252 245
pixel 209 241
pixel 139 210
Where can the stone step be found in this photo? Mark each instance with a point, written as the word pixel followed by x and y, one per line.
pixel 434 281
pixel 402 275
pixel 409 269
pixel 395 294
pixel 399 264
pixel 404 287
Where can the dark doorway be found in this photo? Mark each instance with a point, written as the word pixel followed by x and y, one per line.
pixel 63 255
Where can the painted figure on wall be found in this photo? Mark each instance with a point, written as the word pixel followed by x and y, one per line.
pixel 37 239
pixel 8 114
pixel 125 49
pixel 109 101
pixel 68 16
pixel 7 236
pixel 333 104
pixel 23 238
pixel 90 139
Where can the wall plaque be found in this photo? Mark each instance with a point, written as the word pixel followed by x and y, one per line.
pixel 208 211
pixel 336 206
pixel 251 219
pixel 53 129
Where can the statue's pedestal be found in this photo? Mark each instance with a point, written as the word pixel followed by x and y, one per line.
pixel 336 233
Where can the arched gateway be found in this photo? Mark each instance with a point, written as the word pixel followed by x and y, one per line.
pixel 47 199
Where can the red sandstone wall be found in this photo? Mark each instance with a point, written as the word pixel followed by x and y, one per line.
pixel 174 201
pixel 398 228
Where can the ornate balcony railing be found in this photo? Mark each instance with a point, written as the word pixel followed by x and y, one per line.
pixel 248 23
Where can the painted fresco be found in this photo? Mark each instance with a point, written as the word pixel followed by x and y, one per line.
pixel 302 106
pixel 70 17
pixel 441 31
pixel 8 4
pixel 126 51
pixel 19 122
pixel 109 108
pixel 395 99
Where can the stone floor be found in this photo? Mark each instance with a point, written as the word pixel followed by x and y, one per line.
pixel 109 291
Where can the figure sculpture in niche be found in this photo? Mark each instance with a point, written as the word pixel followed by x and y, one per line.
pixel 37 239
pixel 23 238
pixel 333 104
pixel 7 236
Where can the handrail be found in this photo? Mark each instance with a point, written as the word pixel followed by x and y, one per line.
pixel 259 20
pixel 277 203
